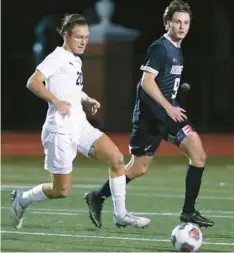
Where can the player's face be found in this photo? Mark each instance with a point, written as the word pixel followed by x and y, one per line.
pixel 78 39
pixel 179 25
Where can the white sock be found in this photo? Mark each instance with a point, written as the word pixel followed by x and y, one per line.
pixel 118 192
pixel 33 195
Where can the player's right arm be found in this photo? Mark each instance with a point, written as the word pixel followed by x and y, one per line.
pixel 151 88
pixel 151 69
pixel 36 85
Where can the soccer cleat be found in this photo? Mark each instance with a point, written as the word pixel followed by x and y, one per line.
pixel 17 210
pixel 95 205
pixel 196 218
pixel 131 220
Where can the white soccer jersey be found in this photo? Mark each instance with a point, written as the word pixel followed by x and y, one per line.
pixel 64 79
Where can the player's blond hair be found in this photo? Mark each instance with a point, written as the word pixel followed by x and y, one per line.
pixel 69 21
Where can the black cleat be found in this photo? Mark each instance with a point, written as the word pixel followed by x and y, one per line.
pixel 196 218
pixel 95 205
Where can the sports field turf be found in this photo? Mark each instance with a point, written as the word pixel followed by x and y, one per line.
pixel 63 225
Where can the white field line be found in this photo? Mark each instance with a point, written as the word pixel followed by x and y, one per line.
pixel 6 187
pixel 70 212
pixel 90 186
pixel 108 237
pixel 179 196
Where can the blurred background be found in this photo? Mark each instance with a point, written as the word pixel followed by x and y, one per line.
pixel 113 57
pixel 121 32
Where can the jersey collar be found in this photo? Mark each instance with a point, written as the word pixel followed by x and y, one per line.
pixel 173 42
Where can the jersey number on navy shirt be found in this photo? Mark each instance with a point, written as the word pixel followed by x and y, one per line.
pixel 175 88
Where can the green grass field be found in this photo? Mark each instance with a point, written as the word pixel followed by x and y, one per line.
pixel 63 225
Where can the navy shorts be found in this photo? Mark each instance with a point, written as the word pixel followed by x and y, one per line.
pixel 147 135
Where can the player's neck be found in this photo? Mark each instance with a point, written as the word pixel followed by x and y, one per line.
pixel 175 42
pixel 66 47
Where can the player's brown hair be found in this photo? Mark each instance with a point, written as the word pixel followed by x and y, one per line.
pixel 175 5
pixel 69 21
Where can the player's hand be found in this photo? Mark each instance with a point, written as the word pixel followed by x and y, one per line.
pixel 92 105
pixel 176 113
pixel 63 107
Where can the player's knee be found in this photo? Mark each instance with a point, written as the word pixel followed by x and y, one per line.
pixel 143 169
pixel 61 192
pixel 199 159
pixel 116 160
pixel 139 170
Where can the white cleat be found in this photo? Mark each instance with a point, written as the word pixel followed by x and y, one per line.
pixel 17 210
pixel 131 220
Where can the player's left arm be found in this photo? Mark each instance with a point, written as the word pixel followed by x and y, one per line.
pixel 90 103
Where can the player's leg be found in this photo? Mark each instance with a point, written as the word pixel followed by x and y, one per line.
pixel 138 166
pixel 190 143
pixel 106 151
pixel 58 161
pixel 193 148
pixel 95 199
pixel 143 146
pixel 98 145
pixel 21 200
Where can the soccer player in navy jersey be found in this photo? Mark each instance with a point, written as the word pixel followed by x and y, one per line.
pixel 157 116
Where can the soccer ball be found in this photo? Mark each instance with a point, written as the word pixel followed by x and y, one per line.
pixel 186 237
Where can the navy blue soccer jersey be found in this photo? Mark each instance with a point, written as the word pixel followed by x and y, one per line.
pixel 165 60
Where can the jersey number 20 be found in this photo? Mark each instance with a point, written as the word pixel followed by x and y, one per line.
pixel 175 88
pixel 79 80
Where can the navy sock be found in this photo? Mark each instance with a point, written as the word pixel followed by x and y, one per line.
pixel 105 192
pixel 192 187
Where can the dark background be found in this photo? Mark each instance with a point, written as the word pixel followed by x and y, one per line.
pixel 208 52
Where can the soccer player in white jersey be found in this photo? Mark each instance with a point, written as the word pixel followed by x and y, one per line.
pixel 66 129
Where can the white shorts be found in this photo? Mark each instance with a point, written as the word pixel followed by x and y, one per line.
pixel 61 149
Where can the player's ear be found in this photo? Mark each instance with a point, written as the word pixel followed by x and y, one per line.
pixel 167 26
pixel 65 36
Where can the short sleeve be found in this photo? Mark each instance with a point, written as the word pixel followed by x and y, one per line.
pixel 154 60
pixel 51 64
